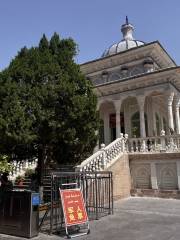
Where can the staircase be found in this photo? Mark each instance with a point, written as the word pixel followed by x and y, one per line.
pixel 25 184
pixel 19 167
pixel 103 158
pixel 110 157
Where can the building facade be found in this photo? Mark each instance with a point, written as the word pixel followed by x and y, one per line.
pixel 137 85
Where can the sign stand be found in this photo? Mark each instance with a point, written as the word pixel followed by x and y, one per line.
pixel 73 208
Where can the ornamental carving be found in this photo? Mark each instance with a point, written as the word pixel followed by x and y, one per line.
pixel 167 176
pixel 141 176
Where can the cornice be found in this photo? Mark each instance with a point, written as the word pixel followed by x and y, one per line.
pixel 154 156
pixel 162 78
pixel 170 71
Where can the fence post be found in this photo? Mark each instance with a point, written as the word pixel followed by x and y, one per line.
pixel 104 161
pixel 112 200
pixel 51 214
pixel 96 192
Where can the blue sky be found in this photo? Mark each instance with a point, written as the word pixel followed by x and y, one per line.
pixel 93 24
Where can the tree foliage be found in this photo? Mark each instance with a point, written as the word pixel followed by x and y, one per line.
pixel 5 166
pixel 47 105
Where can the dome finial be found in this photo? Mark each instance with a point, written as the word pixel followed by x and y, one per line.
pixel 127 22
pixel 127 30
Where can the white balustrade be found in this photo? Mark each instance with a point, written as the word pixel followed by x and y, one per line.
pixel 19 168
pixel 163 143
pixel 99 160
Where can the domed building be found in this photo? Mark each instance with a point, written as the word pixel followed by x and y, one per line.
pixel 137 85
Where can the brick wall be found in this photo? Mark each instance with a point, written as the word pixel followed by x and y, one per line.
pixel 121 177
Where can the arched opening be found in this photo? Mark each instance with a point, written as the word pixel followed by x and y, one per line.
pixel 129 106
pixel 164 125
pixel 158 124
pixel 101 132
pixel 107 131
pixel 135 124
pixel 155 108
pixel 112 125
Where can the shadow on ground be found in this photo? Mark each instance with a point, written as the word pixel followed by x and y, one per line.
pixel 133 219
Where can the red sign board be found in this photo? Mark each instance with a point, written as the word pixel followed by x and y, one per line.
pixel 73 207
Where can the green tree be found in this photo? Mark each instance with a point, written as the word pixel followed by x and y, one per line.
pixel 47 106
pixel 5 166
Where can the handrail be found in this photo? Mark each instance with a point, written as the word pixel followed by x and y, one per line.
pixel 163 143
pixel 100 159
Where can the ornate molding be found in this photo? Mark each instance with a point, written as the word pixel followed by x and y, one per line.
pixel 154 156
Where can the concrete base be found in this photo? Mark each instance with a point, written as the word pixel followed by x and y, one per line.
pixel 175 194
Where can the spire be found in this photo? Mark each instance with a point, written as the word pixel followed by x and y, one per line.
pixel 127 30
pixel 127 22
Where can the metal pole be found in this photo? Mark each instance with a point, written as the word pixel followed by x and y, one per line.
pixel 112 203
pixel 51 214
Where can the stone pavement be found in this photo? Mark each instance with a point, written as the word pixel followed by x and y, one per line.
pixel 133 219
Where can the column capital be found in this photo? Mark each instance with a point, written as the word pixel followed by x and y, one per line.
pixel 177 101
pixel 141 98
pixel 170 97
pixel 117 104
pixel 141 101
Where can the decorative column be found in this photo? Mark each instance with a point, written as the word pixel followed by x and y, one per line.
pixel 162 124
pixel 177 119
pixel 178 173
pixel 170 97
pixel 141 101
pixel 153 176
pixel 106 129
pixel 97 143
pixel 117 105
pixel 97 131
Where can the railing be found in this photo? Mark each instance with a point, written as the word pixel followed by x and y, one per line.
pixel 99 160
pixel 97 189
pixel 163 143
pixel 61 168
pixel 19 167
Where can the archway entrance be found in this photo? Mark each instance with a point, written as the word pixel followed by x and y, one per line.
pixel 112 125
pixel 108 122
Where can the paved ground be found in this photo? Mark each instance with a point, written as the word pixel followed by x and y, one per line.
pixel 133 219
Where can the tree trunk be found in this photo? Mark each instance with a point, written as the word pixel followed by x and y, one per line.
pixel 41 165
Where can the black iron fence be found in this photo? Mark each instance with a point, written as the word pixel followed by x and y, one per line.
pixel 97 188
pixel 60 168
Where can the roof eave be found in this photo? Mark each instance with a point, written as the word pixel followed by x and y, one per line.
pixel 139 76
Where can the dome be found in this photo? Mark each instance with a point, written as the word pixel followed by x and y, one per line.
pixel 126 43
pixel 122 46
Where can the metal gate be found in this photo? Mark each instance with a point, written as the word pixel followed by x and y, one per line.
pixel 97 188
